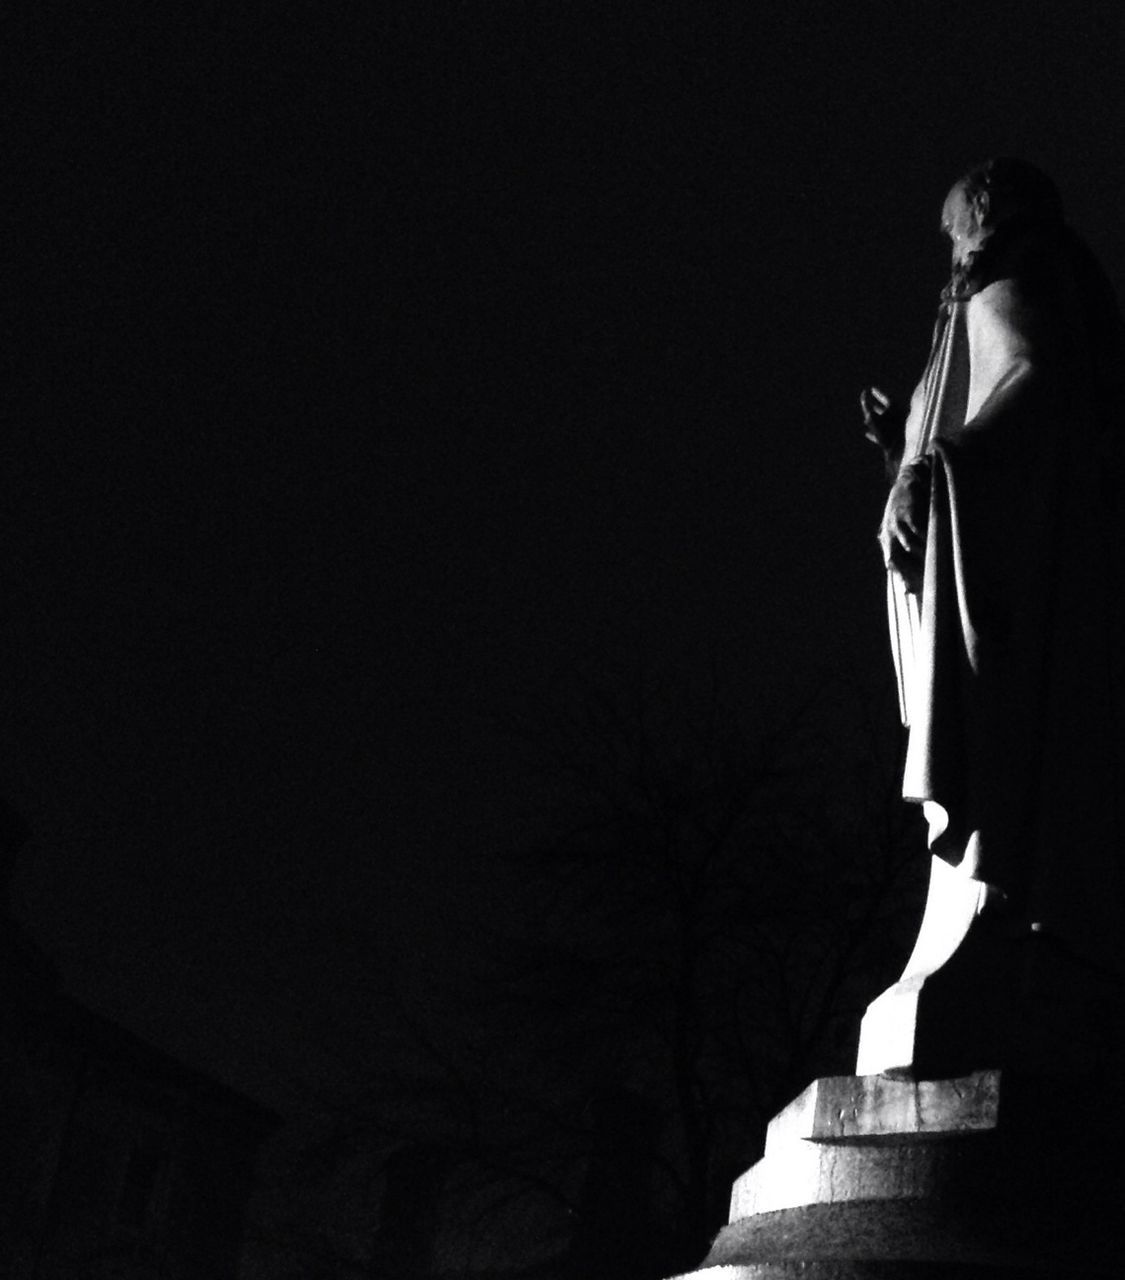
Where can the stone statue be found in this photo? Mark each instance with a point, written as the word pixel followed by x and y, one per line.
pixel 1000 541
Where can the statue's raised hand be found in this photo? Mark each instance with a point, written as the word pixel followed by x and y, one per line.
pixel 883 423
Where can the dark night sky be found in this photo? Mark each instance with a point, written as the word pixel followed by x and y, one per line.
pixel 376 372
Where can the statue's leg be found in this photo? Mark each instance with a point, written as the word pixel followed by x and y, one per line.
pixel 983 989
pixel 953 901
pixel 889 1031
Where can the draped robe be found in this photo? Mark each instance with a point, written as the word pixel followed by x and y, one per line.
pixel 1004 661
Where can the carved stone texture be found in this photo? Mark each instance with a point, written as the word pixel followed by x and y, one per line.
pixel 992 1174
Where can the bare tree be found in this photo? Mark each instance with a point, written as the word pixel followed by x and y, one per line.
pixel 714 907
pixel 691 939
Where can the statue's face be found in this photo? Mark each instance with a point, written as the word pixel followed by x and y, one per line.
pixel 961 222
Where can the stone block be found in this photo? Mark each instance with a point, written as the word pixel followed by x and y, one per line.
pixel 883 1108
pixel 991 1174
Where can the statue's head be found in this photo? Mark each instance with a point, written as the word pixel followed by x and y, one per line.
pixel 995 195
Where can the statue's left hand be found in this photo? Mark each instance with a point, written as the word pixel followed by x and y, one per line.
pixel 902 534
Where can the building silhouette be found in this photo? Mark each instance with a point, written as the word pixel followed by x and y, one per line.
pixel 115 1160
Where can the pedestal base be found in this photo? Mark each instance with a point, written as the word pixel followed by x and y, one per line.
pixel 988 1175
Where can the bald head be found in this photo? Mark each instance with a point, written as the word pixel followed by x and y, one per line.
pixel 992 195
pixel 964 219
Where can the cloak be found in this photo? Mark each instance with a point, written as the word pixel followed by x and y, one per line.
pixel 1006 669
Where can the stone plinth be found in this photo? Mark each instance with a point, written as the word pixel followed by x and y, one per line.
pixel 987 1175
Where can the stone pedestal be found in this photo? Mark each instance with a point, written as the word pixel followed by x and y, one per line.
pixel 993 1174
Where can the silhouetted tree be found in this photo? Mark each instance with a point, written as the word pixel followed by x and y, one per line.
pixel 691 940
pixel 715 907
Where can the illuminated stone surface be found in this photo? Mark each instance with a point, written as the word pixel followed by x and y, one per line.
pixel 989 1175
pixel 1026 1003
pixel 853 1108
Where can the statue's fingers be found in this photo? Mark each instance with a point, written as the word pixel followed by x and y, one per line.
pixel 873 402
pixel 909 539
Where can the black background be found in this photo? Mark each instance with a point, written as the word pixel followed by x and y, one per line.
pixel 376 371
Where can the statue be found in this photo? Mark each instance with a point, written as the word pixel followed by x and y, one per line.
pixel 1000 543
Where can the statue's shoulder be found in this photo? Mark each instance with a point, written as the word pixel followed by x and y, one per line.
pixel 1007 296
pixel 1013 308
